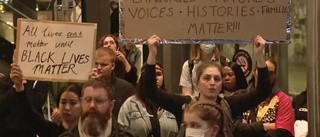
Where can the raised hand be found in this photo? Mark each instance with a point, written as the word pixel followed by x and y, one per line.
pixel 93 73
pixel 123 59
pixel 259 44
pixel 153 42
pixel 120 56
pixel 16 77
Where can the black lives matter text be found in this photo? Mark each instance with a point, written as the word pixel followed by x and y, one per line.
pixel 47 65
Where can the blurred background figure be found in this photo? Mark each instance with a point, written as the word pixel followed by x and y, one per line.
pixel 114 17
pixel 134 56
pixel 77 15
pixel 301 112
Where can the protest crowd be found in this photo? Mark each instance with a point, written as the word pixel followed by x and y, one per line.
pixel 124 98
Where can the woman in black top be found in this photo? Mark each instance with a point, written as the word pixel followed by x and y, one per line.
pixel 209 82
pixel 69 107
pixel 234 81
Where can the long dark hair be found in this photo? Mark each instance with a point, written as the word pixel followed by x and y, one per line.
pixel 75 88
pixel 150 107
pixel 240 78
pixel 141 93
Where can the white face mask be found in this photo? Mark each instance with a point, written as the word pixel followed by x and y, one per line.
pixel 192 132
pixel 207 48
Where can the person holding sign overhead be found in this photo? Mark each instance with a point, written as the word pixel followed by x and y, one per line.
pixel 199 53
pixel 96 103
pixel 123 68
pixel 209 81
pixel 13 119
pixel 69 103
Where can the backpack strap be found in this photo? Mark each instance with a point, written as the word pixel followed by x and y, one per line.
pixel 191 65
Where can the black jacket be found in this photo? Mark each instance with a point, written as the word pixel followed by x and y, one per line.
pixel 120 72
pixel 14 121
pixel 238 103
pixel 123 90
pixel 300 106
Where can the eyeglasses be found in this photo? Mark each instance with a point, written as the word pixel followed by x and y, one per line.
pixel 98 100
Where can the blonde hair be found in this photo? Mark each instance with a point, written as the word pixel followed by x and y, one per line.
pixel 102 51
pixel 195 52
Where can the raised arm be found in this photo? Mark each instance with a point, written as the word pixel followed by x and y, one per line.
pixel 42 126
pixel 16 77
pixel 242 102
pixel 170 102
pixel 6 98
pixel 131 75
pixel 153 42
pixel 259 44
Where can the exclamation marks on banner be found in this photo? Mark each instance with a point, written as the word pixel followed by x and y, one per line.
pixel 233 26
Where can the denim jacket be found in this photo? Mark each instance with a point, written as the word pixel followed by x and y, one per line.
pixel 136 117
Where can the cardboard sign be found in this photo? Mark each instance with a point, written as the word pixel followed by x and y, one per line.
pixel 55 51
pixel 204 19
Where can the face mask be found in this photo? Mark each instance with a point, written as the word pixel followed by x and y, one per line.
pixel 207 48
pixel 192 132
